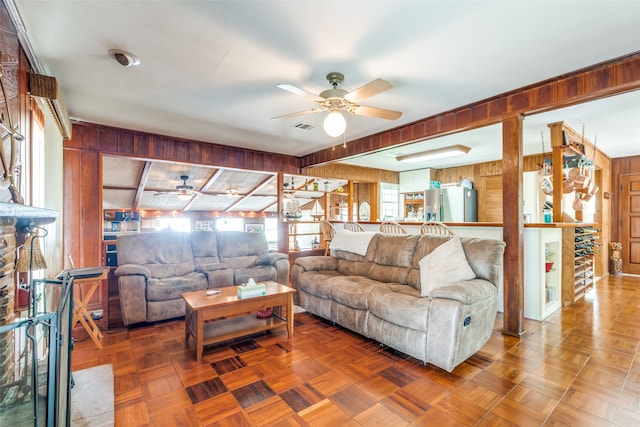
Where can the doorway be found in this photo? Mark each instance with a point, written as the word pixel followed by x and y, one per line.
pixel 630 223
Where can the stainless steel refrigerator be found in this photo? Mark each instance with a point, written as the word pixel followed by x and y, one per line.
pixel 451 204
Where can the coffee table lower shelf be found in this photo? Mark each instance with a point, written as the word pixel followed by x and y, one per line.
pixel 219 330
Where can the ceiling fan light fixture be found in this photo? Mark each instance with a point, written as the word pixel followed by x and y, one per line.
pixel 184 196
pixel 335 123
pixel 439 153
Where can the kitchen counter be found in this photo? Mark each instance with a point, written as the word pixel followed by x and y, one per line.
pixel 561 224
pixel 484 224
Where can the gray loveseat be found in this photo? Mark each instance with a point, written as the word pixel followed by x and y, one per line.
pixel 378 293
pixel 155 268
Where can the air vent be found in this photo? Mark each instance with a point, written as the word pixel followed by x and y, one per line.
pixel 303 126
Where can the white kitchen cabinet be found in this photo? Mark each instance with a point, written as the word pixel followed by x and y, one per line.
pixel 415 180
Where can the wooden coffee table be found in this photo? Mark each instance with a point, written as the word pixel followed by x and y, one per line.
pixel 219 317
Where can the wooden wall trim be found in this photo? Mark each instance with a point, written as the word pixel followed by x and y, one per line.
pixel 135 144
pixel 607 78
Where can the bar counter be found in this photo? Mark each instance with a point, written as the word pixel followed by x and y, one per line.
pixel 491 230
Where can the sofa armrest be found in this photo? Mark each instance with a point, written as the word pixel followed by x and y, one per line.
pixel 133 297
pixel 219 278
pixel 317 263
pixel 283 269
pixel 211 267
pixel 466 292
pixel 270 258
pixel 132 269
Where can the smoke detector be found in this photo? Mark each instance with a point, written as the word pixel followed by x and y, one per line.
pixel 124 58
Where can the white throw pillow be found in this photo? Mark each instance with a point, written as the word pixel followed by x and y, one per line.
pixel 445 264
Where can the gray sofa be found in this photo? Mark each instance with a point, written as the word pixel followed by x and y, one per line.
pixel 380 294
pixel 155 268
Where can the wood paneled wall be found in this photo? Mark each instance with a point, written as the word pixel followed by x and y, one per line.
pixel 353 173
pixel 82 207
pixel 123 142
pixel 476 171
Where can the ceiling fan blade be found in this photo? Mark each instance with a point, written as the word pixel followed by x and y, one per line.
pixel 300 113
pixel 380 113
pixel 370 89
pixel 302 92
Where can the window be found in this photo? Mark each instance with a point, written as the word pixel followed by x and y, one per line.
pixel 271 231
pixel 229 224
pixel 389 201
pixel 174 224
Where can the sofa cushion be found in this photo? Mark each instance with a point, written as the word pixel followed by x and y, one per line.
pixel 161 271
pixel 396 250
pixel 388 273
pixel 353 268
pixel 233 244
pixel 171 287
pixel 165 254
pixel 204 247
pixel 317 282
pixel 239 261
pixel 211 267
pixel 352 291
pixel 400 305
pixel 259 273
pixel 445 264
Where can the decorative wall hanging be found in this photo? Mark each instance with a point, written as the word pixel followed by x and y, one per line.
pixel 8 165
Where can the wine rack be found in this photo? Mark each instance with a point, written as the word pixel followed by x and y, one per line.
pixel 579 276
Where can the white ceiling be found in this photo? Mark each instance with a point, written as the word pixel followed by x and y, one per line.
pixel 209 69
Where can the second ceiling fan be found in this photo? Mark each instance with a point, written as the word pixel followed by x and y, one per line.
pixel 183 191
pixel 336 100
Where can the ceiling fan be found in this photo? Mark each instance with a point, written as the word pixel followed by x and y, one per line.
pixel 183 191
pixel 336 100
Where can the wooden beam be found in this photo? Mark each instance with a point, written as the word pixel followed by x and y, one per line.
pixel 213 178
pixel 142 182
pixel 251 192
pixel 283 232
pixel 513 228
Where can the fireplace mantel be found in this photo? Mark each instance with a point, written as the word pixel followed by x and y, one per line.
pixel 27 215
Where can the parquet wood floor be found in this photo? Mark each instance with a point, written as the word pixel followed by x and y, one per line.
pixel 581 367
